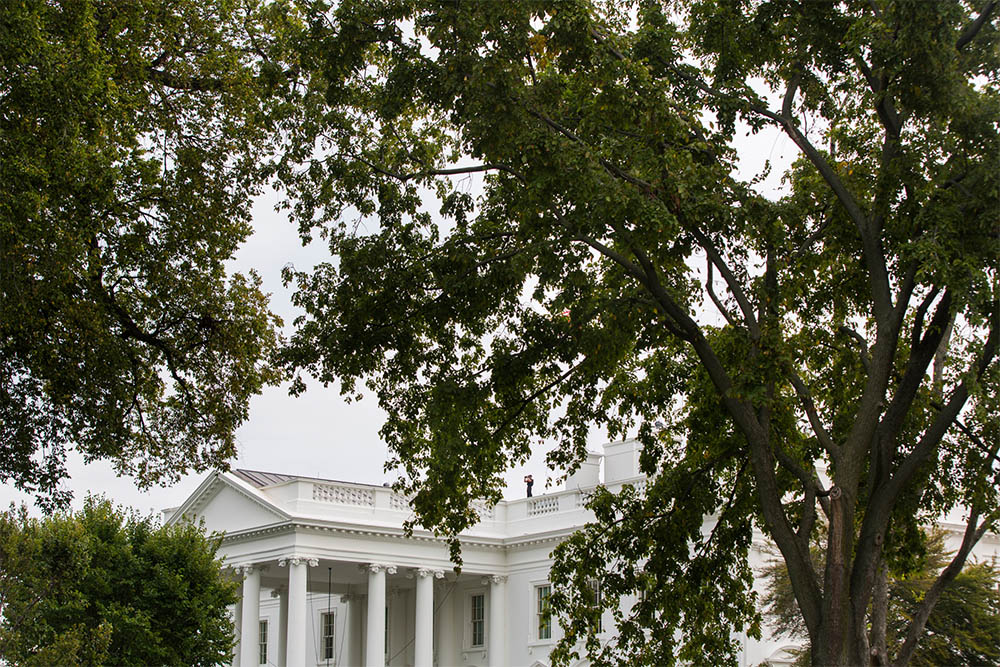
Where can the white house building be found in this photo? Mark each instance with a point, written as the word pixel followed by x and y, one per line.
pixel 328 577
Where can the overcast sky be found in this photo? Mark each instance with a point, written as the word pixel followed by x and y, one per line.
pixel 319 434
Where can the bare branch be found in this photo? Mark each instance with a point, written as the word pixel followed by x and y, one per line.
pixel 793 86
pixel 919 314
pixel 734 286
pixel 973 28
pixel 974 531
pixel 715 299
pixel 945 418
pixel 920 359
pixel 862 345
pixel 454 171
pixel 805 397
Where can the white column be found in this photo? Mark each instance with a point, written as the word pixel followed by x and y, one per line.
pixel 298 580
pixel 345 622
pixel 355 631
pixel 497 638
pixel 375 641
pixel 250 626
pixel 282 594
pixel 423 649
pixel 447 628
pixel 237 627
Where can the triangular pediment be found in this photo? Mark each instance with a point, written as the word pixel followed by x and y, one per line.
pixel 227 505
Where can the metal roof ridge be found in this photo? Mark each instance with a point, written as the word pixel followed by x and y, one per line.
pixel 286 477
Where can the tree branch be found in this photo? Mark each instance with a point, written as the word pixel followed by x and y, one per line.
pixel 735 289
pixel 805 397
pixel 190 83
pixel 715 299
pixel 973 533
pixel 920 359
pixel 946 417
pixel 453 171
pixel 862 345
pixel 971 30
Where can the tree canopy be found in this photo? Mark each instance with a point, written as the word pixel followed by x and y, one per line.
pixel 962 629
pixel 102 586
pixel 131 136
pixel 830 352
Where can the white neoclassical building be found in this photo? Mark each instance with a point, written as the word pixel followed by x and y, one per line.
pixel 328 577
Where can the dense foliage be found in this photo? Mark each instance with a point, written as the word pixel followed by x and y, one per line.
pixel 962 629
pixel 825 362
pixel 130 136
pixel 830 352
pixel 102 586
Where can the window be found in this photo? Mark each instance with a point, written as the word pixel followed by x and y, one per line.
pixel 595 589
pixel 328 628
pixel 478 618
pixel 262 643
pixel 543 616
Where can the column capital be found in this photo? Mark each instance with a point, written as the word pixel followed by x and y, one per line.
pixel 279 591
pixel 246 569
pixel 311 561
pixel 377 567
pixel 495 579
pixel 429 572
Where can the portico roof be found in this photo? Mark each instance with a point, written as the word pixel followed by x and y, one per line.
pixel 261 479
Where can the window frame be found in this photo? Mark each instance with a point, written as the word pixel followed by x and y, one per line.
pixel 472 621
pixel 332 615
pixel 262 639
pixel 595 587
pixel 541 617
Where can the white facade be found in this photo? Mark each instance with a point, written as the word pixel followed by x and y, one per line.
pixel 330 579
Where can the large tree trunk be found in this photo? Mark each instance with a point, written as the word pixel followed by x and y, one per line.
pixel 879 650
pixel 830 649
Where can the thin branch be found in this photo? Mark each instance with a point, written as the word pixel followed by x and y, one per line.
pixel 715 299
pixel 974 531
pixel 454 171
pixel 793 86
pixel 189 83
pixel 734 286
pixel 862 345
pixel 609 166
pixel 530 398
pixel 805 397
pixel 886 111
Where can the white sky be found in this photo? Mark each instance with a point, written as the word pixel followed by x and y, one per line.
pixel 319 434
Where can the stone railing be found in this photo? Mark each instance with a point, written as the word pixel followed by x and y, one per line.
pixel 485 512
pixel 343 494
pixel 377 499
pixel 543 505
pixel 399 502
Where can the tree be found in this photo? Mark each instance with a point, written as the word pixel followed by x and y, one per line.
pixel 962 629
pixel 103 586
pixel 131 138
pixel 616 272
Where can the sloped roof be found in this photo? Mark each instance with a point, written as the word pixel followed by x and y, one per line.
pixel 259 478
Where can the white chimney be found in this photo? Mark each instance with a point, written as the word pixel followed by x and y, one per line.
pixel 588 474
pixel 621 460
